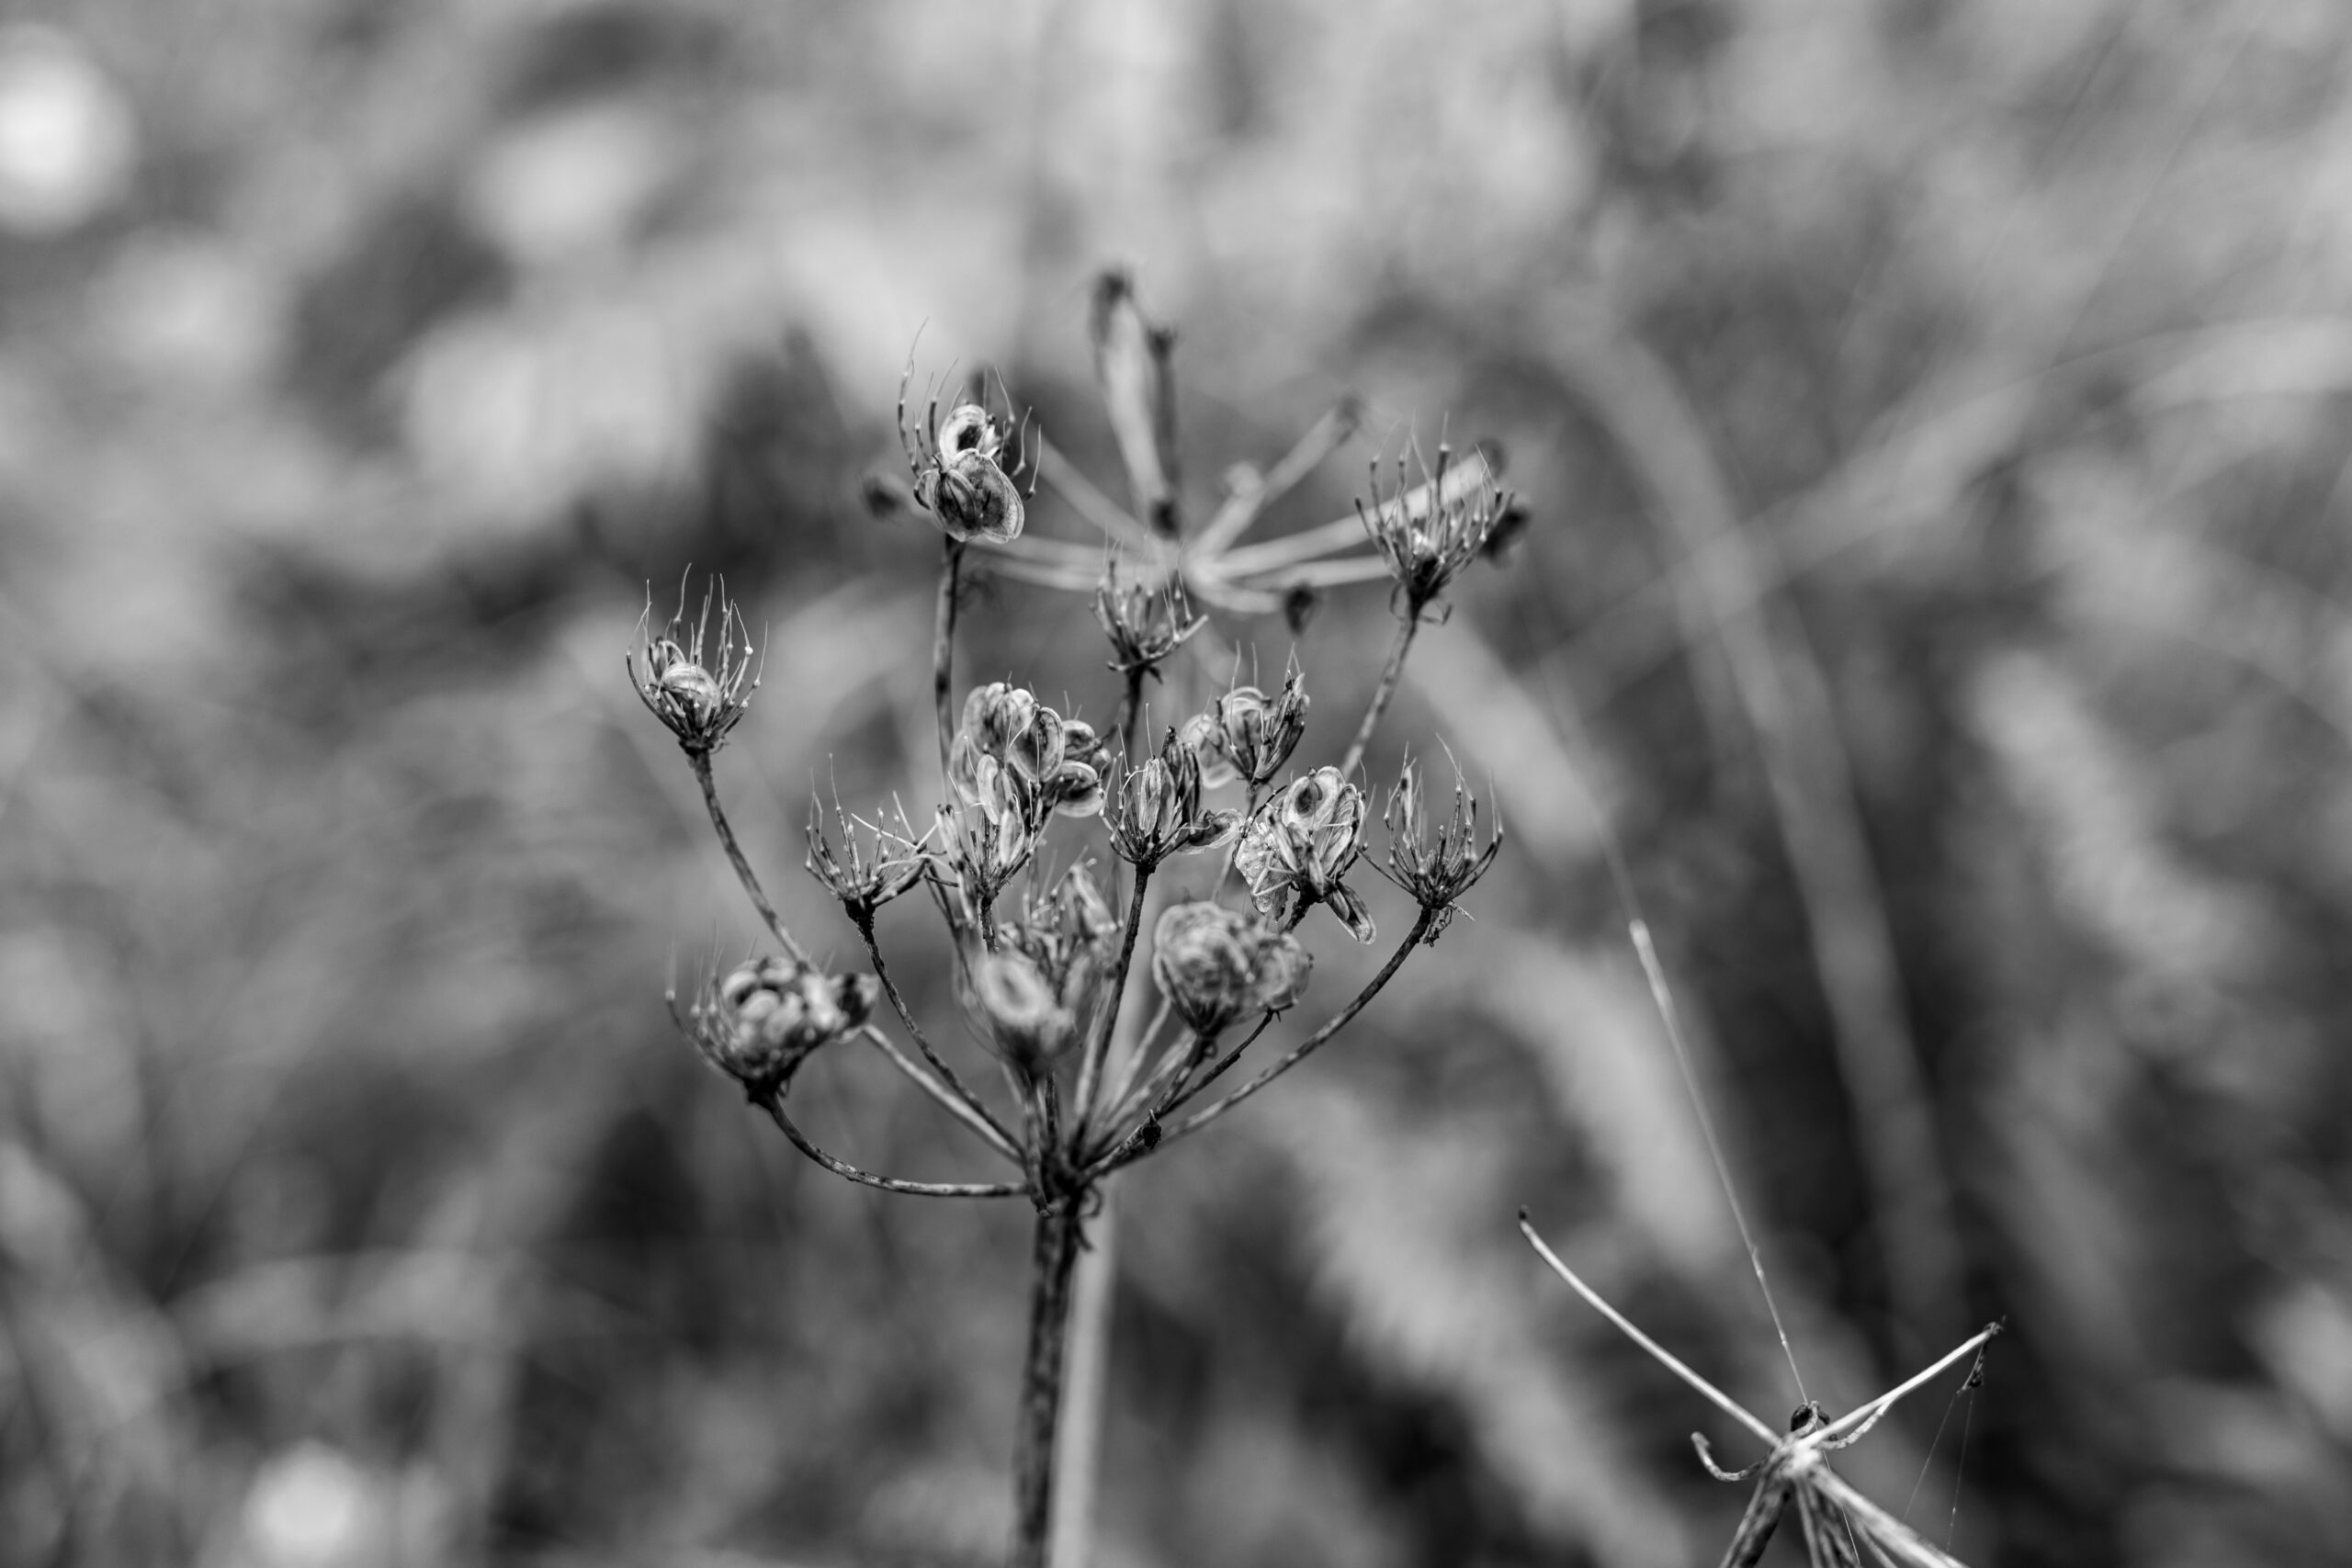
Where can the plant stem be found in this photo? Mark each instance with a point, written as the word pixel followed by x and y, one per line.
pixel 1381 694
pixel 743 873
pixel 1098 1044
pixel 769 1101
pixel 1056 1247
pixel 1003 1136
pixel 943 651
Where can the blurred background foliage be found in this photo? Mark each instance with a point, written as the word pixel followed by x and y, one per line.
pixel 1936 419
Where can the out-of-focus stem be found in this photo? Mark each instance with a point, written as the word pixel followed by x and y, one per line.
pixel 743 873
pixel 959 1106
pixel 943 652
pixel 1057 1239
pixel 1382 693
pixel 990 1128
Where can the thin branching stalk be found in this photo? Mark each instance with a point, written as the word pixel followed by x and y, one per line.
pixel 773 1104
pixel 1098 1042
pixel 1381 694
pixel 959 1106
pixel 996 1130
pixel 1296 1054
pixel 744 872
pixel 1181 1094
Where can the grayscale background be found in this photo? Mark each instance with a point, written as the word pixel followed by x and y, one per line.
pixel 1937 419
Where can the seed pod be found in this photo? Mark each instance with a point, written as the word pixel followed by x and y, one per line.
pixel 1215 964
pixel 764 1018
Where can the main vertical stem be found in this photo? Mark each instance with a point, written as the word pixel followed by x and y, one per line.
pixel 1057 1239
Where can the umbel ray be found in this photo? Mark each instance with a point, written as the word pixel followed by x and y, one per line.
pixel 1842 1528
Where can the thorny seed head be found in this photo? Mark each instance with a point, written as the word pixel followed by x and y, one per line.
pixel 1054 764
pixel 1298 845
pixel 1158 812
pixel 696 677
pixel 1247 735
pixel 875 864
pixel 764 1018
pixel 1145 621
pixel 1215 964
pixel 1428 533
pixel 1437 870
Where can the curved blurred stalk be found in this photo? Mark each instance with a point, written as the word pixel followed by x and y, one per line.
pixel 1787 707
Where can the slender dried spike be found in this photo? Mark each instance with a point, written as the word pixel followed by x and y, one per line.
pixel 1664 1357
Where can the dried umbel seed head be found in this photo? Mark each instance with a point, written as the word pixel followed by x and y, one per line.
pixel 1437 869
pixel 1215 964
pixel 985 843
pixel 762 1019
pixel 1158 812
pixel 1018 1011
pixel 873 866
pixel 697 678
pixel 1146 622
pixel 1247 735
pixel 1299 844
pixel 1428 533
pixel 1054 764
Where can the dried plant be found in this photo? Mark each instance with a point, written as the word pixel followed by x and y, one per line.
pixel 1042 958
pixel 1842 1528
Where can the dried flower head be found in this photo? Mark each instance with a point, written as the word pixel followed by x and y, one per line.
pixel 1437 870
pixel 1158 812
pixel 697 678
pixel 959 468
pixel 1145 621
pixel 875 865
pixel 1215 964
pixel 1054 764
pixel 985 841
pixel 764 1018
pixel 1300 843
pixel 1247 735
pixel 1428 533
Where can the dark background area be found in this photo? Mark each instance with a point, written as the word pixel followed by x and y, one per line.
pixel 1935 418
